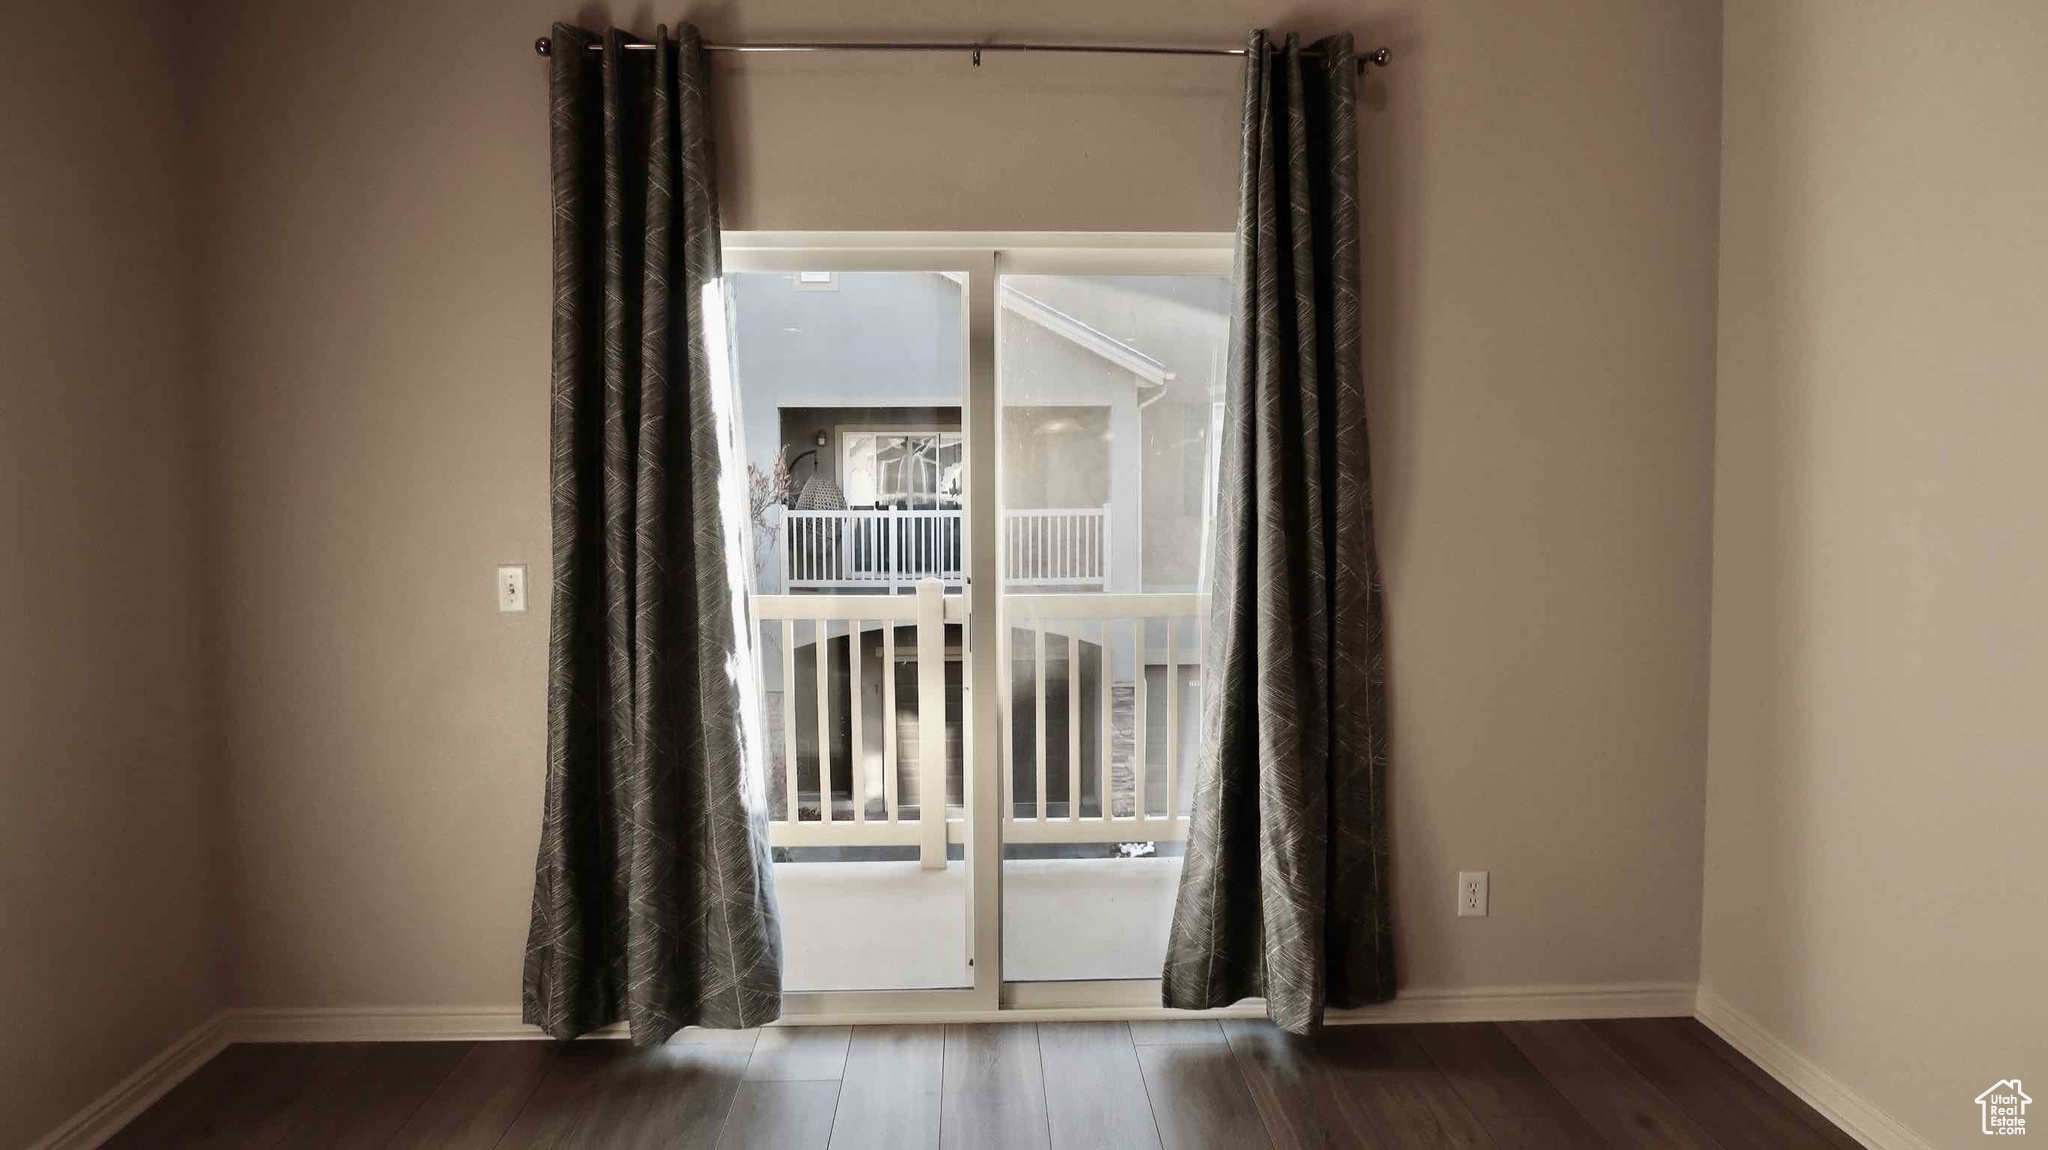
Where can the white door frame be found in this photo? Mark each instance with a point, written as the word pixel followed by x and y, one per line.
pixel 981 257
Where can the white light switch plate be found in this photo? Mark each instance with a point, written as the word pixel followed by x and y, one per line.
pixel 1471 894
pixel 512 588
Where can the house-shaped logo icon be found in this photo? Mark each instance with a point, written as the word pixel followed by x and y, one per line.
pixel 2004 1108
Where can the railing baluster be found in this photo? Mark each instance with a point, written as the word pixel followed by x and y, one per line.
pixel 1138 693
pixel 889 797
pixel 1005 719
pixel 857 776
pixel 760 761
pixel 1201 670
pixel 1172 716
pixel 1038 626
pixel 931 725
pixel 822 640
pixel 789 716
pixel 1073 720
pixel 1103 662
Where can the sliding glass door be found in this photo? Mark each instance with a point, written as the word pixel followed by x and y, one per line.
pixel 979 508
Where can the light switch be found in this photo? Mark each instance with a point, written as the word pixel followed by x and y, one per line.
pixel 512 588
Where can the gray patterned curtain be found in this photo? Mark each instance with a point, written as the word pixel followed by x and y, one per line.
pixel 1284 891
pixel 652 896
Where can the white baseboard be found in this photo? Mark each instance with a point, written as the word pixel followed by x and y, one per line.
pixel 105 1115
pixel 484 1023
pixel 1529 1003
pixel 388 1024
pixel 1862 1119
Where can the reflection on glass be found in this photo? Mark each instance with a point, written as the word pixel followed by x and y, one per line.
pixel 914 471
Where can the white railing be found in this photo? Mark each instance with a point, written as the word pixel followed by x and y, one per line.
pixel 892 549
pixel 930 610
pixel 1124 637
pixel 874 548
pixel 1160 631
pixel 1056 547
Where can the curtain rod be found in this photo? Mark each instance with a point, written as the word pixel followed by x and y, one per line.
pixel 1378 56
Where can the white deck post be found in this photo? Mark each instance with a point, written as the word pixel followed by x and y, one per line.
pixel 1102 570
pixel 931 724
pixel 788 571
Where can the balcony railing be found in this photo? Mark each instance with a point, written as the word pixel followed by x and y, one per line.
pixel 891 549
pixel 1082 762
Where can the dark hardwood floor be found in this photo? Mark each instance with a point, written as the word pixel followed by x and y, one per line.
pixel 1656 1082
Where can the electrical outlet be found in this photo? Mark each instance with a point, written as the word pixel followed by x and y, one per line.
pixel 1471 894
pixel 512 588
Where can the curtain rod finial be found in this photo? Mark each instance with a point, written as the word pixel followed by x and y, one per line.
pixel 541 46
pixel 1379 56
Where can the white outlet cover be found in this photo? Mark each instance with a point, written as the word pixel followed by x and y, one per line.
pixel 512 587
pixel 1471 894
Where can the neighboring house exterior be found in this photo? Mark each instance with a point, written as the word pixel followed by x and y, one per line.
pixel 1116 427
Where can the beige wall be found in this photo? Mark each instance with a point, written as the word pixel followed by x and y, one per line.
pixel 1876 883
pixel 1541 195
pixel 109 816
